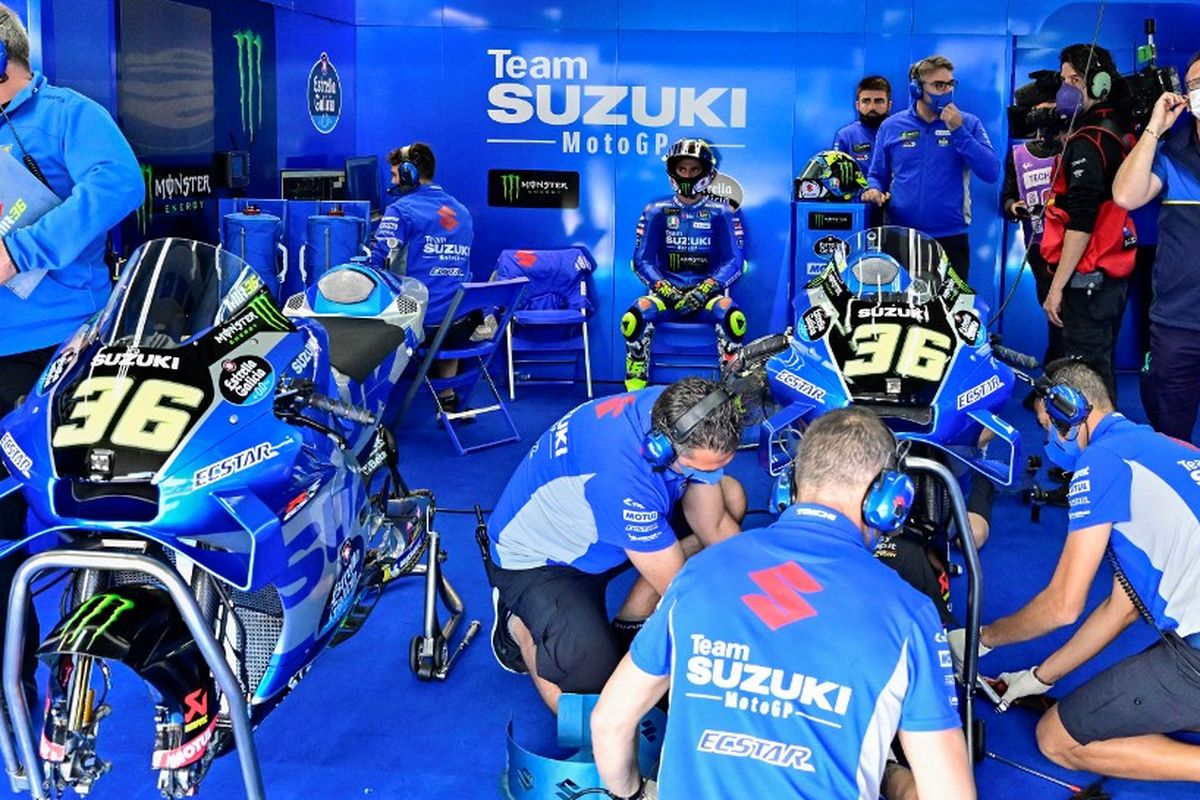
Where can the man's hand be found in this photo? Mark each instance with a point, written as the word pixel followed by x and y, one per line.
pixel 952 117
pixel 8 269
pixel 668 292
pixel 875 196
pixel 1166 110
pixel 1021 684
pixel 957 640
pixel 695 299
pixel 1018 210
pixel 1053 306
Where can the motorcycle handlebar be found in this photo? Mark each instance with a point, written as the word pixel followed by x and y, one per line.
pixel 340 409
pixel 765 347
pixel 1013 358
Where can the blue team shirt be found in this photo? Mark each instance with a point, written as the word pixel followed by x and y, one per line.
pixel 585 494
pixel 858 141
pixel 1148 486
pixel 431 233
pixel 1176 276
pixel 794 656
pixel 927 167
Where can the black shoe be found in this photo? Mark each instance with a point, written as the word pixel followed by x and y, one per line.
pixel 1057 497
pixel 504 646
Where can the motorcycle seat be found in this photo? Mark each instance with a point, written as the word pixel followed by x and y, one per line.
pixel 349 303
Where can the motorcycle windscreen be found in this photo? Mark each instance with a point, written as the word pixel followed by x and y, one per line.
pixel 885 304
pixel 159 359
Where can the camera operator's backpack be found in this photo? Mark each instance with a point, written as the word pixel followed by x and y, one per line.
pixel 1113 245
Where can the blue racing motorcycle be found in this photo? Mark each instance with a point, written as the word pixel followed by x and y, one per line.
pixel 210 473
pixel 889 325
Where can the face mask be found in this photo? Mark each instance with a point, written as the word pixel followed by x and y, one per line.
pixel 1063 453
pixel 709 476
pixel 1069 100
pixel 871 120
pixel 1194 101
pixel 938 102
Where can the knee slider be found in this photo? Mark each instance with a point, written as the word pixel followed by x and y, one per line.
pixel 632 323
pixel 737 323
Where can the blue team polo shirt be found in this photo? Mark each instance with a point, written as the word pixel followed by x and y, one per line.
pixel 585 494
pixel 1148 486
pixel 794 656
pixel 1176 274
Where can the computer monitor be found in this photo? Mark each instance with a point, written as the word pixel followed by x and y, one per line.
pixel 312 184
pixel 362 181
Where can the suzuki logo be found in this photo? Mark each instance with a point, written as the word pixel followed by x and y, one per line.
pixel 447 218
pixel 250 79
pixel 526 258
pixel 510 183
pixel 613 406
pixel 782 604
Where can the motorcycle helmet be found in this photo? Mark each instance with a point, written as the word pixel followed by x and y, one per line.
pixel 699 150
pixel 830 175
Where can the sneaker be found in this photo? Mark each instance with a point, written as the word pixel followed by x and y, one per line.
pixel 486 330
pixel 504 646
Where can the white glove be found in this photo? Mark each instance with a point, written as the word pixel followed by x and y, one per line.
pixel 650 792
pixel 1021 684
pixel 957 640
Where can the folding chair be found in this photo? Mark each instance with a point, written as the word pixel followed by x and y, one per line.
pixel 552 316
pixel 687 346
pixel 498 298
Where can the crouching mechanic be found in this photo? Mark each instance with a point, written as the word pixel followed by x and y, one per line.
pixel 770 696
pixel 689 250
pixel 1134 494
pixel 596 493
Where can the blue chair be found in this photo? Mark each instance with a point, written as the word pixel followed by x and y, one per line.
pixel 690 347
pixel 500 299
pixel 552 316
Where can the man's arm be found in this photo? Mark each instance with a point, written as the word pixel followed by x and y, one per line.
pixel 646 248
pixel 731 251
pixel 707 511
pixel 1063 599
pixel 387 232
pixel 1103 625
pixel 658 567
pixel 1135 184
pixel 107 187
pixel 971 142
pixel 939 763
pixel 627 696
pixel 879 174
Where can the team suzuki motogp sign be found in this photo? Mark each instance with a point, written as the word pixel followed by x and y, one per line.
pixel 558 91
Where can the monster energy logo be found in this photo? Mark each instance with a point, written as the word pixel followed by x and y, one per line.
pixel 145 212
pixel 250 79
pixel 95 616
pixel 511 184
pixel 269 314
pixel 674 262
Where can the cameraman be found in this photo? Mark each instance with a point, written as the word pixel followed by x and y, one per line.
pixel 1171 385
pixel 1028 170
pixel 1089 240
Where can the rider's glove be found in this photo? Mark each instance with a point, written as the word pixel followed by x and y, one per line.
pixel 697 296
pixel 957 639
pixel 1021 684
pixel 668 292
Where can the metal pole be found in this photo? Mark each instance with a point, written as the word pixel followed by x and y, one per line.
pixel 17 779
pixel 974 586
pixel 189 611
pixel 1033 772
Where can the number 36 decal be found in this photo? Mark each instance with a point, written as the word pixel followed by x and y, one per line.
pixel 924 353
pixel 155 418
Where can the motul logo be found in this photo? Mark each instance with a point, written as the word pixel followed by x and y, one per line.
pixel 781 603
pixel 447 218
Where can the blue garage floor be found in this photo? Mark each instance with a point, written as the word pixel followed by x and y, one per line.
pixel 361 726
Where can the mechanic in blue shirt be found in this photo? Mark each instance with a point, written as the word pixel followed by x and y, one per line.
pixel 689 250
pixel 1135 494
pixel 923 157
pixel 73 145
pixel 873 102
pixel 1171 384
pixel 596 493
pixel 426 234
pixel 792 655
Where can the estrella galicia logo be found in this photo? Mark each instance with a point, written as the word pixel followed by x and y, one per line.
pixel 250 79
pixel 526 188
pixel 324 95
pixel 95 616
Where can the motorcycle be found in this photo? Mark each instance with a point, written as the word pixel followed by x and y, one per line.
pixel 210 473
pixel 888 325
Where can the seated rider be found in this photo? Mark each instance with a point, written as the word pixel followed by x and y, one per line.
pixel 689 250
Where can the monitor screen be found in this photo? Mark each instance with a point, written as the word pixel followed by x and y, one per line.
pixel 312 184
pixel 362 181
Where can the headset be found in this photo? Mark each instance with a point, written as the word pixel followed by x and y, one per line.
pixel 659 445
pixel 407 170
pixel 1066 406
pixel 915 89
pixel 3 52
pixel 889 498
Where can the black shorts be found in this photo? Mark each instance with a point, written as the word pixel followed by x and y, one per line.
pixel 1152 692
pixel 458 335
pixel 565 612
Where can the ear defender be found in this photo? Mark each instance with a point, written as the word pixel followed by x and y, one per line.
pixel 658 449
pixel 407 170
pixel 915 90
pixel 888 501
pixel 1066 405
pixel 1100 84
